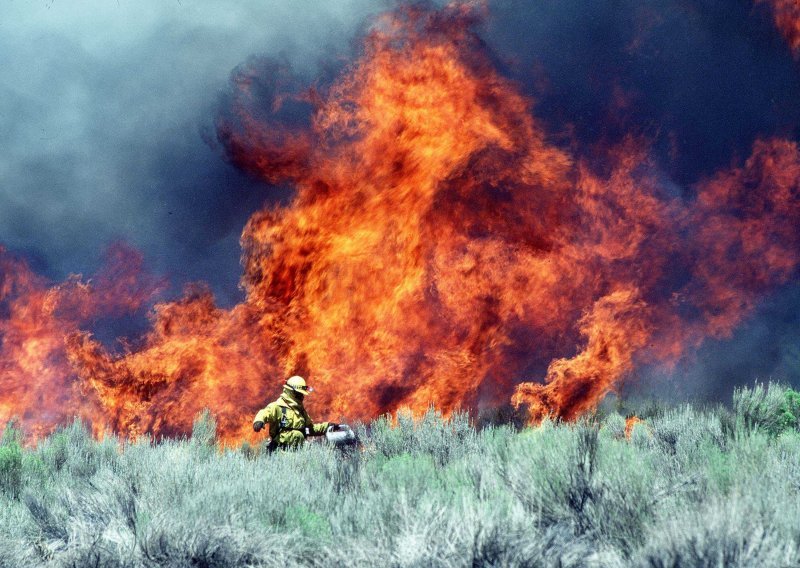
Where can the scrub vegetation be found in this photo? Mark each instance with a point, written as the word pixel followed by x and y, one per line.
pixel 689 487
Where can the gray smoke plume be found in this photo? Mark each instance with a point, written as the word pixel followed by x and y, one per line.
pixel 103 110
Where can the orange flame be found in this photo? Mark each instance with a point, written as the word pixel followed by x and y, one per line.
pixel 35 381
pixel 439 250
pixel 630 422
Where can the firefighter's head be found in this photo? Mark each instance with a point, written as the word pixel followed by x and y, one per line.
pixel 297 387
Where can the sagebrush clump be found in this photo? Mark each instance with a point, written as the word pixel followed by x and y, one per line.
pixel 687 487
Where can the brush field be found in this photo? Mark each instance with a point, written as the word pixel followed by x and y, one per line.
pixel 690 487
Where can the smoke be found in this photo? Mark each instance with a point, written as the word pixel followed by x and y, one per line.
pixel 702 79
pixel 786 14
pixel 106 110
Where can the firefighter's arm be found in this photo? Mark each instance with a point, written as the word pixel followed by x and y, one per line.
pixel 263 416
pixel 318 428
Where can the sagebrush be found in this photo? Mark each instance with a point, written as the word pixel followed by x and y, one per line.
pixel 690 487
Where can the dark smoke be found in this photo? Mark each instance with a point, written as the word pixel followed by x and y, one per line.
pixel 105 115
pixel 700 79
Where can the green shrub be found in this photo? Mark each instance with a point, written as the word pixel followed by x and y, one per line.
pixel 720 468
pixel 444 439
pixel 204 429
pixel 12 434
pixel 11 470
pixel 613 426
pixel 54 451
pixel 773 408
pixel 34 470
pixel 789 410
pixel 11 460
pixel 307 522
pixel 760 407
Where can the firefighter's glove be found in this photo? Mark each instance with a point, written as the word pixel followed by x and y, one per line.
pixel 258 425
pixel 333 426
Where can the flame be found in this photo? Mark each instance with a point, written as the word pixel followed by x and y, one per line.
pixel 678 273
pixel 439 250
pixel 787 19
pixel 36 383
pixel 630 423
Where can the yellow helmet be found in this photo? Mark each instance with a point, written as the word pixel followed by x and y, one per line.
pixel 298 384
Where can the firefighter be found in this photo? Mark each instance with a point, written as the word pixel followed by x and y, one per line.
pixel 289 423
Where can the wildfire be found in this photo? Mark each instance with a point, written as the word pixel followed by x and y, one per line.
pixel 439 250
pixel 36 383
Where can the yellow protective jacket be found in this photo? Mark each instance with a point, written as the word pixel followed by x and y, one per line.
pixel 288 422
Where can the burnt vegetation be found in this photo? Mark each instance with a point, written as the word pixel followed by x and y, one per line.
pixel 687 487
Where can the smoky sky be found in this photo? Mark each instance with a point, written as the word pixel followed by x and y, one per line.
pixel 699 80
pixel 108 113
pixel 104 113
